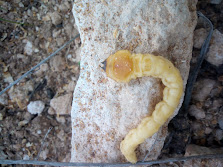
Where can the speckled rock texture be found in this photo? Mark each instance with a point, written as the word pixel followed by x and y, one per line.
pixel 104 111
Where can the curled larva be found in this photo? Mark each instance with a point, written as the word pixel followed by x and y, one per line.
pixel 124 66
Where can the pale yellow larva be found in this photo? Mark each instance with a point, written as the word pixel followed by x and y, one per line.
pixel 124 66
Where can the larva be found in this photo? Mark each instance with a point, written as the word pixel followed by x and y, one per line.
pixel 124 66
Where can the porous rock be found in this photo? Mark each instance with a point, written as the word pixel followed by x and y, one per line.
pixel 104 111
pixel 215 53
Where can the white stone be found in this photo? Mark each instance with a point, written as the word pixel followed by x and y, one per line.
pixel 199 37
pixel 28 48
pixel 104 111
pixel 4 99
pixel 202 89
pixel 29 144
pixel 26 157
pixel 215 53
pixel 21 5
pixel 198 113
pixel 62 104
pixel 36 107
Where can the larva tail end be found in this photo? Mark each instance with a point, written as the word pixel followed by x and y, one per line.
pixel 128 152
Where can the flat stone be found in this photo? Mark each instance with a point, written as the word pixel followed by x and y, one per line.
pixel 62 104
pixel 215 53
pixel 104 111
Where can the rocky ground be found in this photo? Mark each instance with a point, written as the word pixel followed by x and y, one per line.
pixel 31 30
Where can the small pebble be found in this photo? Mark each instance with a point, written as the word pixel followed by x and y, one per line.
pixel 208 130
pixel 25 157
pixel 219 134
pixel 39 132
pixel 29 144
pixel 196 112
pixel 61 119
pixel 35 107
pixel 22 123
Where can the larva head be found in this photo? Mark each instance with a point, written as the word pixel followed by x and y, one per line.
pixel 119 66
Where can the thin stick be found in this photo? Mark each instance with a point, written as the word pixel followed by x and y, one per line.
pixel 43 142
pixel 161 161
pixel 36 66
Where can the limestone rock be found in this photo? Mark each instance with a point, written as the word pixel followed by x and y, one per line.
pixel 198 150
pixel 61 105
pixel 215 53
pixel 104 111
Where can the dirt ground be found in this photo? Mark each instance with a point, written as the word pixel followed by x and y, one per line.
pixel 30 30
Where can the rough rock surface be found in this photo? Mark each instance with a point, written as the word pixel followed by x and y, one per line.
pixel 103 111
pixel 198 150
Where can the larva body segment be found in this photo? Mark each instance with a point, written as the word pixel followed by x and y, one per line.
pixel 124 66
